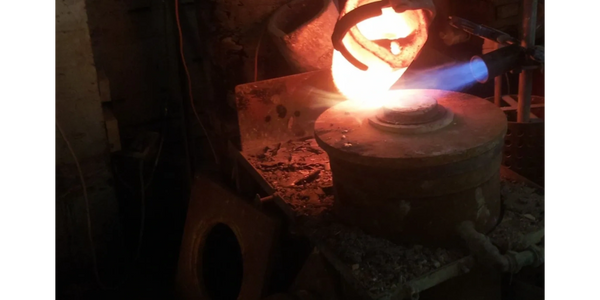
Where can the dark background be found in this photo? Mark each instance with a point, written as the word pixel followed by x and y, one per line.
pixel 134 46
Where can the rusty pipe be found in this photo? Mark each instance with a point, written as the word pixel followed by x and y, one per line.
pixel 498 87
pixel 498 90
pixel 488 254
pixel 526 76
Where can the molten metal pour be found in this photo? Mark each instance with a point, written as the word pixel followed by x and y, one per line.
pixel 408 165
pixel 411 112
pixel 375 42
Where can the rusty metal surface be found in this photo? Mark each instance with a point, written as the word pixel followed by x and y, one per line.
pixel 240 161
pixel 417 188
pixel 211 204
pixel 524 142
pixel 419 110
pixel 386 210
pixel 301 30
pixel 441 118
pixel 524 150
pixel 282 109
pixel 476 129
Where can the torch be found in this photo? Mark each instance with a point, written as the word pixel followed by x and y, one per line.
pixel 511 55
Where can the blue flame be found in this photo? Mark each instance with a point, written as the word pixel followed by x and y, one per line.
pixel 479 69
pixel 453 77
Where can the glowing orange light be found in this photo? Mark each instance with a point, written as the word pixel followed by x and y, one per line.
pixel 390 25
pixel 370 88
pixel 395 48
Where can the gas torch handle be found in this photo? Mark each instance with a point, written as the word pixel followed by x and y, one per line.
pixel 535 53
pixel 482 31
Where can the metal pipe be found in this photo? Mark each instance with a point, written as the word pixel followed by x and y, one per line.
pixel 498 86
pixel 498 90
pixel 488 254
pixel 526 76
pixel 412 288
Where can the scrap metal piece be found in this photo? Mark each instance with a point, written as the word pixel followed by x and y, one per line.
pixel 282 109
pixel 212 205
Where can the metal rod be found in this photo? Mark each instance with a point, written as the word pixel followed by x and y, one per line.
pixel 526 76
pixel 498 85
pixel 498 90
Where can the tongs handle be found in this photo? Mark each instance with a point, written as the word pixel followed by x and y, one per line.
pixel 535 53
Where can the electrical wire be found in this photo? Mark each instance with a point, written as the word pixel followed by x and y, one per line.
pixel 154 166
pixel 160 146
pixel 256 55
pixel 189 81
pixel 87 209
pixel 143 186
pixel 507 83
pixel 88 214
pixel 142 212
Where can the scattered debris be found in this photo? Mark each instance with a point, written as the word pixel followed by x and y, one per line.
pixel 309 178
pixel 378 264
pixel 299 170
pixel 301 173
pixel 523 216
pixel 530 217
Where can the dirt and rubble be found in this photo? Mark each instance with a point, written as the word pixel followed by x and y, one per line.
pixel 379 265
pixel 299 171
pixel 523 220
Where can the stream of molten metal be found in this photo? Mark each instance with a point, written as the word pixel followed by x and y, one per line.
pixel 370 88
